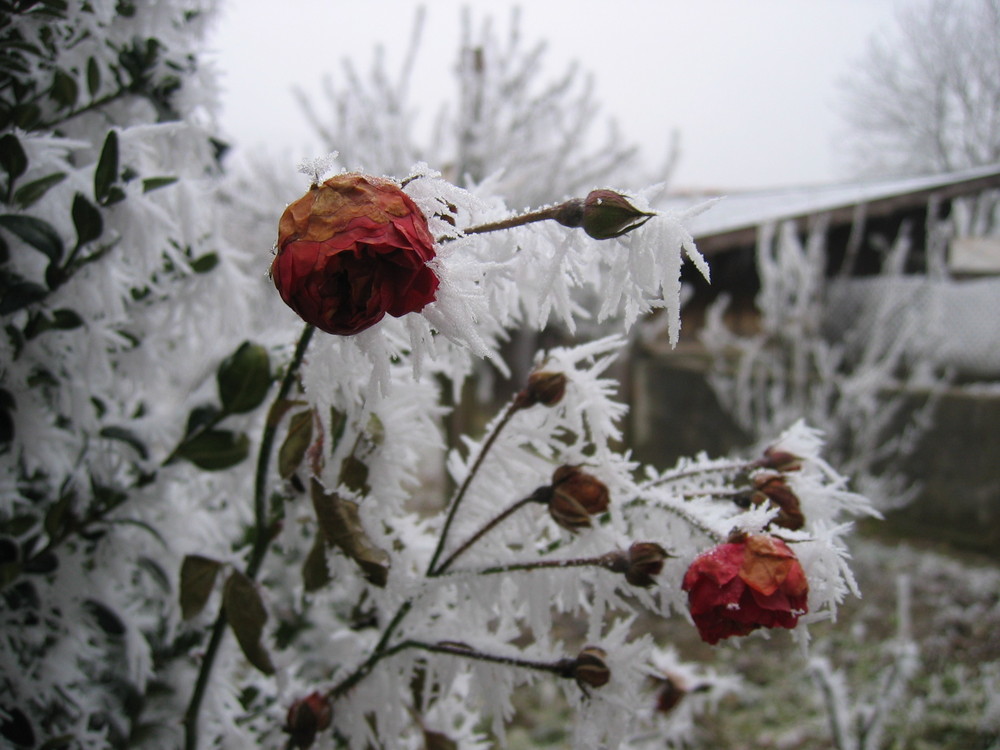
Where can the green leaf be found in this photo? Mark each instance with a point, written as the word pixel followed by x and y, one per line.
pixel 340 523
pixel 107 619
pixel 27 116
pixel 215 450
pixel 198 576
pixel 115 195
pixel 12 157
pixel 156 572
pixel 19 295
pixel 64 89
pixel 201 417
pixel 93 76
pixel 106 173
pixel 66 320
pixel 31 193
pixel 293 449
pixel 247 616
pixel 244 378
pixel 205 263
pixel 125 435
pixel 338 425
pixel 87 220
pixel 155 183
pixel 58 515
pixel 35 232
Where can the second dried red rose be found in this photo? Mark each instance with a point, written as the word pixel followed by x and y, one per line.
pixel 741 586
pixel 350 251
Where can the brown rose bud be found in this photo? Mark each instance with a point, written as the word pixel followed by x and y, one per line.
pixel 574 497
pixel 590 668
pixel 671 691
pixel 545 388
pixel 607 214
pixel 645 561
pixel 778 461
pixel 351 250
pixel 306 717
pixel 773 488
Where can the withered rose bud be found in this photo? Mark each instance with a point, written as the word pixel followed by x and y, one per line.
pixel 590 668
pixel 774 488
pixel 545 388
pixel 671 691
pixel 607 214
pixel 306 717
pixel 575 497
pixel 778 461
pixel 351 250
pixel 645 561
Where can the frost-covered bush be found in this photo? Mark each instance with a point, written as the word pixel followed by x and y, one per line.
pixel 859 377
pixel 222 529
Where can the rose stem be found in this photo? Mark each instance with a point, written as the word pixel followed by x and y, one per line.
pixel 261 541
pixel 511 409
pixel 480 534
pixel 541 214
pixel 580 562
pixel 684 474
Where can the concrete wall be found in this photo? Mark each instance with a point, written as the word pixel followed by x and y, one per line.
pixel 675 413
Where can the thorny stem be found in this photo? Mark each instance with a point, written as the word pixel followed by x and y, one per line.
pixel 561 667
pixel 541 214
pixel 682 512
pixel 604 561
pixel 480 534
pixel 686 473
pixel 378 653
pixel 460 494
pixel 262 539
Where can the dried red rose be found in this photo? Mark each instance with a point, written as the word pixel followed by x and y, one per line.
pixel 350 251
pixel 739 587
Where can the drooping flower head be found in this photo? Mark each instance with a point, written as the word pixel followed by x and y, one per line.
pixel 738 587
pixel 351 250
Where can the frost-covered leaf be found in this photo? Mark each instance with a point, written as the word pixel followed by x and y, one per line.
pixel 87 220
pixel 106 172
pixel 205 263
pixel 293 449
pixel 38 233
pixel 127 436
pixel 12 157
pixel 315 571
pixel 28 195
pixel 20 294
pixel 215 450
pixel 64 90
pixel 244 378
pixel 93 76
pixel 246 615
pixel 354 475
pixel 341 526
pixel 155 183
pixel 198 576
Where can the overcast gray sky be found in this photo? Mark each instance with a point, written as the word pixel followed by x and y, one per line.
pixel 751 85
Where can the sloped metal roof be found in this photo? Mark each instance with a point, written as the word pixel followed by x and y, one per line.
pixel 735 219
